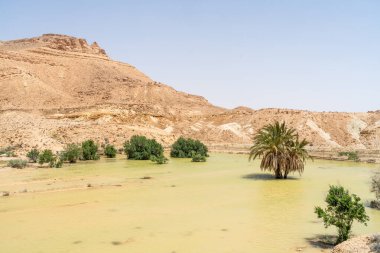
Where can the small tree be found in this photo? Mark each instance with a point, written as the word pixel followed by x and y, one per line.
pixel 342 209
pixel 90 150
pixel 110 151
pixel 33 155
pixel 142 148
pixel 185 148
pixel 71 153
pixel 46 156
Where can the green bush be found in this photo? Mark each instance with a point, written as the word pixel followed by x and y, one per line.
pixel 110 151
pixel 17 163
pixel 56 162
pixel 71 153
pixel 342 209
pixel 89 150
pixel 159 159
pixel 45 156
pixel 141 148
pixel 351 155
pixel 185 148
pixel 198 158
pixel 33 155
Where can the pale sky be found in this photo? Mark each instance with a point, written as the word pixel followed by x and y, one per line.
pixel 320 55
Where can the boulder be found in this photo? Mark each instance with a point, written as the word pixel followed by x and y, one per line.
pixel 360 244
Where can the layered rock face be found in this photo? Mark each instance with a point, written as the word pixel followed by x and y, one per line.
pixel 57 89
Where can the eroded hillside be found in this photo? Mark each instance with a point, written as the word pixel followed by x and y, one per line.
pixel 57 89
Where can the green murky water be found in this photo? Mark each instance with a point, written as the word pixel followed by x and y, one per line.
pixel 224 205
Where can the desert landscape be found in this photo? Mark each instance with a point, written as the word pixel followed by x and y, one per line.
pixel 58 89
pixel 63 97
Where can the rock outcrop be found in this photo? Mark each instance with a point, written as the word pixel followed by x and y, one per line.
pixel 360 244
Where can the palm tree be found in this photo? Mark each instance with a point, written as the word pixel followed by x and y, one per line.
pixel 280 149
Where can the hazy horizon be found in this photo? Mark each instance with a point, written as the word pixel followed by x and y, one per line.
pixel 314 55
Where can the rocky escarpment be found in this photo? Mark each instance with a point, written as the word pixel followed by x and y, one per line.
pixel 360 244
pixel 57 89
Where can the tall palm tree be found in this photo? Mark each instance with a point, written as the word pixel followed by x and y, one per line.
pixel 280 149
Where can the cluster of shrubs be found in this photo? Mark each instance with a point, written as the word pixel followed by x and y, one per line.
pixel 351 155
pixel 142 148
pixel 137 148
pixel 189 148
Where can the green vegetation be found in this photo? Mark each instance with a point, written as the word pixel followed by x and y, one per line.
pixel 185 148
pixel 8 151
pixel 375 187
pixel 141 148
pixel 17 163
pixel 72 153
pixel 46 156
pixel 351 155
pixel 110 151
pixel 280 148
pixel 198 158
pixel 342 209
pixel 159 159
pixel 33 155
pixel 89 150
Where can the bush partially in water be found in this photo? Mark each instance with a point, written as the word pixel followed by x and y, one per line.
pixel 89 150
pixel 351 155
pixel 185 148
pixel 33 155
pixel 342 209
pixel 17 163
pixel 159 159
pixel 141 148
pixel 110 151
pixel 72 153
pixel 198 158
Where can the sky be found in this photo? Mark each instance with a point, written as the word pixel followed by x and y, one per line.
pixel 319 55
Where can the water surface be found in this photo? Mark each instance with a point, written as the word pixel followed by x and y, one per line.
pixel 224 205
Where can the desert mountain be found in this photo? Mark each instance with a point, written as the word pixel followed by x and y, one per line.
pixel 57 89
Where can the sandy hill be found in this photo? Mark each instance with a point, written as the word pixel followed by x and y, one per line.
pixel 57 89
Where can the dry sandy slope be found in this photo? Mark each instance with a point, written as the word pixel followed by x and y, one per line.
pixel 57 89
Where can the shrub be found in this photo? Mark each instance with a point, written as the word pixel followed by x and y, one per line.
pixel 33 155
pixel 198 158
pixel 342 209
pixel 110 151
pixel 56 162
pixel 375 187
pixel 159 159
pixel 184 148
pixel 141 148
pixel 71 153
pixel 17 163
pixel 46 156
pixel 89 150
pixel 352 155
pixel 6 150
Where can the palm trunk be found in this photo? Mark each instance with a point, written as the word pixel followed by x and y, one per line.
pixel 278 172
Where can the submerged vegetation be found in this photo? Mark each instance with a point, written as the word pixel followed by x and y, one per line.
pixel 141 148
pixel 188 148
pixel 342 210
pixel 110 151
pixel 89 150
pixel 281 150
